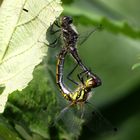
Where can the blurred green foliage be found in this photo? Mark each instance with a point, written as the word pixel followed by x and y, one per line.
pixel 110 53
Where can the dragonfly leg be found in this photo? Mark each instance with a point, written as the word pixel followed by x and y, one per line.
pixel 81 76
pixel 69 75
pixel 52 26
pixel 50 32
pixel 54 32
pixel 82 110
pixel 54 43
pixel 57 23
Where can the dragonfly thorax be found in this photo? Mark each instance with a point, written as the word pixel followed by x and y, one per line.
pixel 70 34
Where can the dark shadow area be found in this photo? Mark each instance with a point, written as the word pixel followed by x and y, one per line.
pixel 121 110
pixel 53 133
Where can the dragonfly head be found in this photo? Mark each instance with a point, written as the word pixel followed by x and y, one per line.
pixel 92 82
pixel 66 20
pixel 97 81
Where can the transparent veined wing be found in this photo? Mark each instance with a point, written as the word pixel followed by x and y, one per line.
pixel 83 36
pixel 73 119
pixel 96 122
pixel 69 119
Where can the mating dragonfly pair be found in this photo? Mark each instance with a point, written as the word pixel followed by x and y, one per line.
pixel 81 94
pixel 88 79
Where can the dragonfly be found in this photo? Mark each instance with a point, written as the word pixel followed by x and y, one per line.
pixel 70 38
pixel 77 98
pixel 82 93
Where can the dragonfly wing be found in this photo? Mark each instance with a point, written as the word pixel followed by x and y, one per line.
pixel 69 119
pixel 84 36
pixel 96 122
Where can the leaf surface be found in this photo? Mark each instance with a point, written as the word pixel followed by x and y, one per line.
pixel 21 41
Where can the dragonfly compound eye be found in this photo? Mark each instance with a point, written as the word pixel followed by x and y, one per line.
pixel 67 20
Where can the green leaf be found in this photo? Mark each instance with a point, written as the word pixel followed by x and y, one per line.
pixel 135 66
pixel 36 107
pixel 21 41
pixel 6 132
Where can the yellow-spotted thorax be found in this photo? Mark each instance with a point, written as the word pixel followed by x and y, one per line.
pixel 81 94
